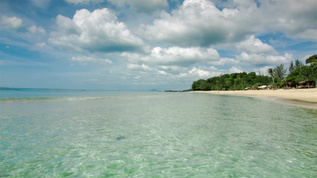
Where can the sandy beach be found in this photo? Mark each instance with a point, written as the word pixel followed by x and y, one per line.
pixel 299 97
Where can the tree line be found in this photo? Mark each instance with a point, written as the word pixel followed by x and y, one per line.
pixel 298 72
pixel 234 81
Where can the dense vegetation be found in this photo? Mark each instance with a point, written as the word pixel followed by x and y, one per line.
pixel 302 73
pixel 235 81
pixel 298 72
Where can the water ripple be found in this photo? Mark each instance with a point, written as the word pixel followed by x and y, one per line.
pixel 165 135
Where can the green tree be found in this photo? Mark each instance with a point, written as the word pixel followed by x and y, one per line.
pixel 298 63
pixel 201 85
pixel 293 77
pixel 310 72
pixel 279 72
pixel 311 59
pixel 270 71
pixel 291 67
pixel 303 73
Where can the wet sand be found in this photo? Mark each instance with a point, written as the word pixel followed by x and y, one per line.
pixel 299 97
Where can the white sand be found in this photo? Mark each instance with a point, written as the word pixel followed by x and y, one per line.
pixel 300 97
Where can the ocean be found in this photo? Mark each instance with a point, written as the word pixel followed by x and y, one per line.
pixel 77 133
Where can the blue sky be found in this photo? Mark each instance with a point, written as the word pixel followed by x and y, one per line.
pixel 143 45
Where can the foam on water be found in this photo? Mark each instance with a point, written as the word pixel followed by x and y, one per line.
pixel 156 134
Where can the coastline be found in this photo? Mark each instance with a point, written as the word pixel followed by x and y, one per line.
pixel 306 98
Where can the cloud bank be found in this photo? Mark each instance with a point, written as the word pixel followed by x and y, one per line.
pixel 201 23
pixel 157 42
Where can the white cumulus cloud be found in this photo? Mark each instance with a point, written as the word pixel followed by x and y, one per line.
pixel 202 23
pixel 263 59
pixel 139 67
pixel 181 56
pixel 197 22
pixel 11 22
pixel 94 31
pixel 175 56
pixel 201 72
pixel 297 19
pixel 236 69
pixel 36 30
pixel 255 52
pixel 225 61
pixel 254 45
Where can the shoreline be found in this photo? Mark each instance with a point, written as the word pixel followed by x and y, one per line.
pixel 306 98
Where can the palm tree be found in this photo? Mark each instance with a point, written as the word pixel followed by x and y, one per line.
pixel 270 71
pixel 279 72
pixel 298 64
pixel 291 67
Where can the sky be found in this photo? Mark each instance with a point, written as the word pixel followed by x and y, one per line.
pixel 153 44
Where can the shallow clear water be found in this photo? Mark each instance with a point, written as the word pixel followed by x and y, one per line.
pixel 152 134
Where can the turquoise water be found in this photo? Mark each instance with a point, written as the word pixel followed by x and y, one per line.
pixel 153 134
